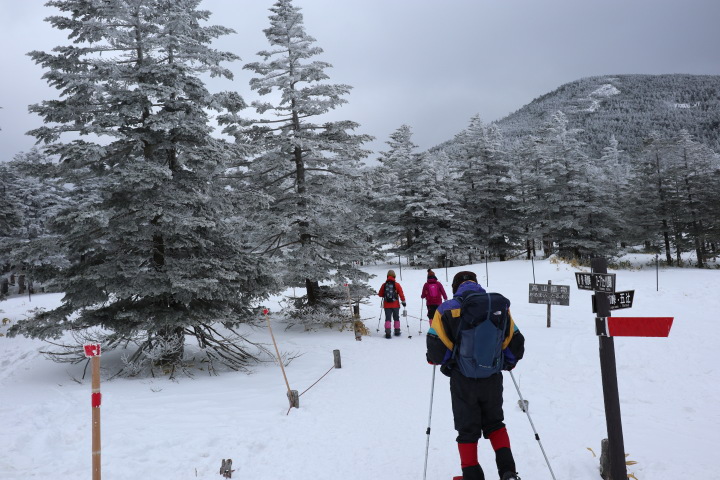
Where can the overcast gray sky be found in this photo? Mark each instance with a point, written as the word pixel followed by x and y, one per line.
pixel 430 64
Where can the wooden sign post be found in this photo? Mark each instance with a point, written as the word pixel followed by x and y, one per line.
pixel 549 294
pixel 92 351
pixel 606 299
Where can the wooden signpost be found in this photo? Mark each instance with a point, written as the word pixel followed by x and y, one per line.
pixel 549 295
pixel 92 351
pixel 606 299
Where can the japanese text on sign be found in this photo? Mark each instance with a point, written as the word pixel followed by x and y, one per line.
pixel 621 299
pixel 599 282
pixel 549 294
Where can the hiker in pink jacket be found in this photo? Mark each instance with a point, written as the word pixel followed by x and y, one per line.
pixel 433 293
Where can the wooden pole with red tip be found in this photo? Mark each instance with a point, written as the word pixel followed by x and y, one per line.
pixel 292 395
pixel 92 351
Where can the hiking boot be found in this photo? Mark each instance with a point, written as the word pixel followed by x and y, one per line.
pixel 510 476
pixel 474 472
pixel 397 332
pixel 387 333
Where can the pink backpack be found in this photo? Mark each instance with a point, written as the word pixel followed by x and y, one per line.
pixel 433 295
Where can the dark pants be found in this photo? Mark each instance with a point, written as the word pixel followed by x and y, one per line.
pixel 477 405
pixel 431 311
pixel 477 410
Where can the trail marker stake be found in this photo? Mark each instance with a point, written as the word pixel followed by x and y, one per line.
pixel 445 262
pixel 292 395
pixel 354 315
pixel 92 351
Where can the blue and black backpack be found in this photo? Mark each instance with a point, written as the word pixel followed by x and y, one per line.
pixel 391 294
pixel 484 320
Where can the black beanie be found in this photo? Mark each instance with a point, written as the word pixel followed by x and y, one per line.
pixel 461 277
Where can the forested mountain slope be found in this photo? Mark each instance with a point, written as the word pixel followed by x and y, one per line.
pixel 629 107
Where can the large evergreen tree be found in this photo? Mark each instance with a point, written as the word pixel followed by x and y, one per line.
pixel 528 181
pixel 11 217
pixel 32 249
pixel 692 164
pixel 152 236
pixel 395 178
pixel 651 210
pixel 307 168
pixel 434 208
pixel 487 188
pixel 576 217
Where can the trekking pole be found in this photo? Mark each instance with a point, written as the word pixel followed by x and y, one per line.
pixel 407 322
pixel 427 443
pixel 380 318
pixel 527 412
pixel 422 301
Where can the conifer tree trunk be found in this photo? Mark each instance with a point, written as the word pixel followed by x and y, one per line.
pixel 666 237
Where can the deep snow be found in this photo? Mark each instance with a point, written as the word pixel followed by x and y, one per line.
pixel 368 419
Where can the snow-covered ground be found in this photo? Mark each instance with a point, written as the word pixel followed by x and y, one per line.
pixel 368 419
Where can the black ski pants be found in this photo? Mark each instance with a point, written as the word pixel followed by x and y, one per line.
pixel 477 405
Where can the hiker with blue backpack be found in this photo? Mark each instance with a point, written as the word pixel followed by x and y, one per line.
pixel 392 295
pixel 473 338
pixel 434 293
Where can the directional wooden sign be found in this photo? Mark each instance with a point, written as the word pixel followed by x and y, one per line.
pixel 599 282
pixel 633 326
pixel 617 300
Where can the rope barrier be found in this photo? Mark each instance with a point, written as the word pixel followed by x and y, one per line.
pixel 308 388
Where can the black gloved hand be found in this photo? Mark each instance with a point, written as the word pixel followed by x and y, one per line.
pixel 403 304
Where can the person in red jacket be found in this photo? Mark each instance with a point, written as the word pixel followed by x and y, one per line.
pixel 434 294
pixel 392 294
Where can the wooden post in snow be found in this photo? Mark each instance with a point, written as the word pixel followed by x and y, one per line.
pixel 92 351
pixel 292 395
pixel 549 305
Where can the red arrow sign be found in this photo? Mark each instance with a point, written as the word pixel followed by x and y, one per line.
pixel 639 326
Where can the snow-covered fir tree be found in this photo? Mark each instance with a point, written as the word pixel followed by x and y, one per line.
pixel 692 164
pixel 33 250
pixel 650 196
pixel 485 184
pixel 11 220
pixel 527 181
pixel 309 168
pixel 152 236
pixel 574 210
pixel 435 207
pixel 394 178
